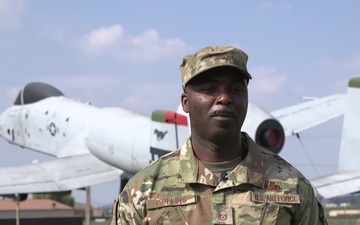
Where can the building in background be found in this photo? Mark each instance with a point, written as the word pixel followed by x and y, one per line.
pixel 44 212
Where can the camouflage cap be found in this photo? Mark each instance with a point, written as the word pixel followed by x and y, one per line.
pixel 211 57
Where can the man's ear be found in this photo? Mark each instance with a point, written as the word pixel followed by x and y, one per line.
pixel 184 102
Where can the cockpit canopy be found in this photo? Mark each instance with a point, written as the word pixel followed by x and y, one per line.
pixel 36 91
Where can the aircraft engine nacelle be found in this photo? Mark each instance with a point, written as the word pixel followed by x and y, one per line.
pixel 264 129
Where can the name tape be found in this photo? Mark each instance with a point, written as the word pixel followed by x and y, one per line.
pixel 170 201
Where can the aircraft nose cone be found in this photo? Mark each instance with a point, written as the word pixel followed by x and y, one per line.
pixel 5 124
pixel 2 128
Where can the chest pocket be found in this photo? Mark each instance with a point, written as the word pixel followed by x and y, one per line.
pixel 252 208
pixel 165 216
pixel 167 210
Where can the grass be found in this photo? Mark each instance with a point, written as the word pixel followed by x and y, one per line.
pixel 342 221
pixel 100 223
pixel 350 220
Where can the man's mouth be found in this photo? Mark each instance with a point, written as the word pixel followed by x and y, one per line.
pixel 223 114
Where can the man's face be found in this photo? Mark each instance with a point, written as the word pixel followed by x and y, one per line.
pixel 216 102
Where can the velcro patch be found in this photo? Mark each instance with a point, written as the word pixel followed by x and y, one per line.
pixel 170 201
pixel 273 186
pixel 275 198
pixel 223 216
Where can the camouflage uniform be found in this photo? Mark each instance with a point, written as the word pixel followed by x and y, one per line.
pixel 179 189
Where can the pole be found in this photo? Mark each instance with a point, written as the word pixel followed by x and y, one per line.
pixel 87 206
pixel 17 209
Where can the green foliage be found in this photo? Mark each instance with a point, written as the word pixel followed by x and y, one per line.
pixel 352 199
pixel 63 197
pixel 342 221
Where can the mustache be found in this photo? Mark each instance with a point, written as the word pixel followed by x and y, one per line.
pixel 223 112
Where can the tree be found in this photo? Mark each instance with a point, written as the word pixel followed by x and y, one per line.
pixel 63 197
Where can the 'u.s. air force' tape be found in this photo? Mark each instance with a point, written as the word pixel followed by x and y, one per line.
pixel 275 198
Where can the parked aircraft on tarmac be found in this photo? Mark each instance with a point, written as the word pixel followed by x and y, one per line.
pixel 96 145
pixel 348 179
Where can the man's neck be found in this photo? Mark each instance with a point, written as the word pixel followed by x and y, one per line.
pixel 217 151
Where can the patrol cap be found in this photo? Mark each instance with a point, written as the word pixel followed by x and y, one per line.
pixel 211 57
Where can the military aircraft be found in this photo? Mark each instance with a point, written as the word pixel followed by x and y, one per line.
pixel 95 145
pixel 347 180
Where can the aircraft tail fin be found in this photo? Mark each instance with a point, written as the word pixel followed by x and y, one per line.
pixel 350 140
pixel 169 131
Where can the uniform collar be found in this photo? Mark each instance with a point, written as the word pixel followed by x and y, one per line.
pixel 250 170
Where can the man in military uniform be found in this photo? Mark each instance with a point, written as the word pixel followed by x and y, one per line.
pixel 220 175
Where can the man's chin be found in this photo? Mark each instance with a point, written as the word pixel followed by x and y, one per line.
pixel 225 133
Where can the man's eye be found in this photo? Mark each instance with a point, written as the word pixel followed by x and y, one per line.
pixel 238 89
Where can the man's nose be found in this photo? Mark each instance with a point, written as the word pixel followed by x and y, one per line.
pixel 224 98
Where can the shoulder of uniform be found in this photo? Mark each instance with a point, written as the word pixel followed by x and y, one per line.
pixel 266 152
pixel 267 156
pixel 275 158
pixel 154 169
pixel 281 164
pixel 163 159
pixel 173 154
pixel 303 181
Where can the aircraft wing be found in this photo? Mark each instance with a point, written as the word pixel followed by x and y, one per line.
pixel 337 184
pixel 57 175
pixel 303 116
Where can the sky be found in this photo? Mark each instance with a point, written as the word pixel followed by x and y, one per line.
pixel 127 54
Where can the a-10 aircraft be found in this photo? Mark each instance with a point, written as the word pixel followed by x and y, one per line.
pixel 95 145
pixel 347 180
